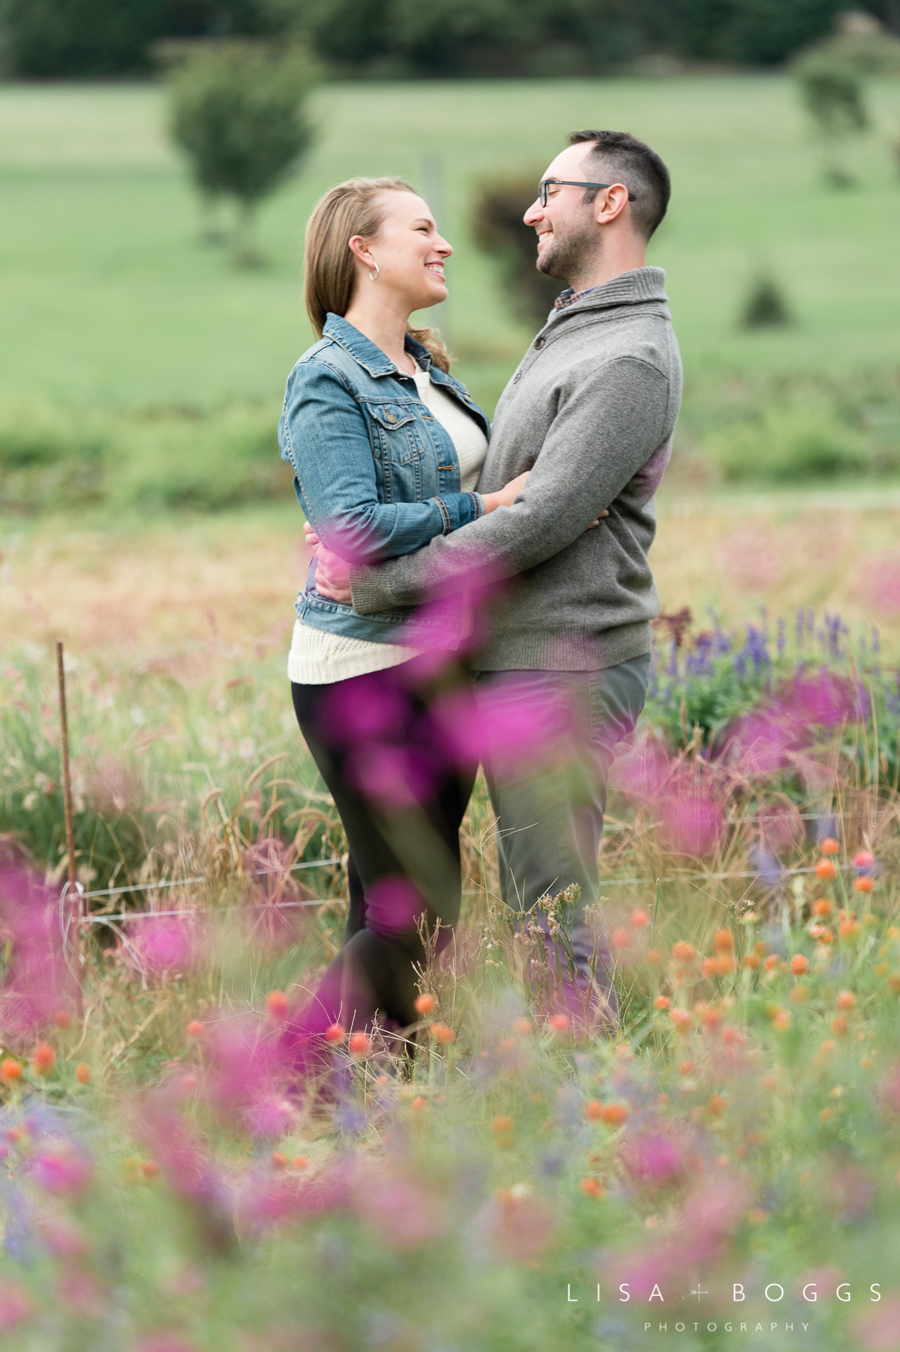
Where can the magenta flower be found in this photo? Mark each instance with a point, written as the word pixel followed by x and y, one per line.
pixel 879 1329
pixel 654 1158
pixel 37 983
pixel 167 944
pixel 403 1213
pixel 62 1170
pixel 691 822
pixel 15 1305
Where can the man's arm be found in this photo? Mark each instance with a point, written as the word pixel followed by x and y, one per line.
pixel 604 432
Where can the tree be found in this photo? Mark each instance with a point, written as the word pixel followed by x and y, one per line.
pixel 238 112
pixel 832 92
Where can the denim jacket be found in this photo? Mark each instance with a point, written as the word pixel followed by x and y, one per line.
pixel 374 471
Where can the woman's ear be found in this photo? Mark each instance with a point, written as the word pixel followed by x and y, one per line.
pixel 359 247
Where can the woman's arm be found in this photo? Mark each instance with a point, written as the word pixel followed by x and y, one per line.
pixel 323 436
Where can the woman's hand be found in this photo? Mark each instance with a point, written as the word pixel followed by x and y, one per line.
pixel 332 572
pixel 507 495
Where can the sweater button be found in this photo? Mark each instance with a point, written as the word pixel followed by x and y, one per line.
pixel 539 342
pixel 517 377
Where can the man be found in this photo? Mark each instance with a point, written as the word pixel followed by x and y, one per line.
pixel 590 411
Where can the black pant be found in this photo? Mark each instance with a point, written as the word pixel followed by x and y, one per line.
pixel 401 799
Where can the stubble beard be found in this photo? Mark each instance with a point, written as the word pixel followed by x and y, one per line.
pixel 567 257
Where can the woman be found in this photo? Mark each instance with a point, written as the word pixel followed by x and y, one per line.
pixel 386 448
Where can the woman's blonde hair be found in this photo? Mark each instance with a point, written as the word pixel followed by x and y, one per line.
pixel 356 207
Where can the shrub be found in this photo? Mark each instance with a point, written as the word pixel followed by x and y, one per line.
pixel 499 230
pixel 788 445
pixel 766 306
pixel 237 111
pixel 831 90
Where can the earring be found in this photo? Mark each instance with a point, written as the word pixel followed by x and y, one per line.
pixel 373 276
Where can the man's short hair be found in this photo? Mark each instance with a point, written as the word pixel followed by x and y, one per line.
pixel 617 157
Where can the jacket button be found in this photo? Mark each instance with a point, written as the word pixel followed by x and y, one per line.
pixel 389 417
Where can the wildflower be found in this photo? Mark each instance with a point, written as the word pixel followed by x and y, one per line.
pixel 61 1170
pixel 822 906
pixel 639 919
pixel 685 1068
pixel 752 961
pixel 710 1016
pixel 782 1020
pixel 863 884
pixel 662 1002
pixel 800 994
pixel 716 1105
pixel 195 1028
pixel 825 870
pixel 683 951
pixel 591 1188
pixel 621 938
pixel 839 1025
pixel 709 966
pixel 62 1019
pixel 799 964
pixel 276 1005
pixel 864 859
pixel 594 1110
pixel 10 1070
pixel 425 1003
pixel 502 1127
pixel 614 1114
pixel 83 1073
pixel 443 1034
pixel 419 1104
pixel 821 933
pixel 149 1168
pixel 522 1027
pixel 846 1000
pixel 335 1034
pixel 893 982
pixel 682 1019
pixel 830 846
pixel 43 1059
pixel 15 1305
pixel 848 928
pixel 772 962
pixel 653 958
pixel 559 1023
pixel 301 1162
pixel 359 1044
pixel 724 941
pixel 279 1160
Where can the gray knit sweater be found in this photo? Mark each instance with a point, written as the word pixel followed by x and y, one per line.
pixel 590 411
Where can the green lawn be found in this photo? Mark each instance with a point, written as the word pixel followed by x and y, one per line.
pixel 107 297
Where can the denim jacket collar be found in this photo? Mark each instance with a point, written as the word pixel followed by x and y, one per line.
pixel 363 350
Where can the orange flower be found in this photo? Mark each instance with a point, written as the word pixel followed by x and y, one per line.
pixel 279 1160
pixel 822 906
pixel 893 982
pixel 425 1003
pixel 682 1019
pixel 276 1005
pixel 591 1188
pixel 683 952
pixel 711 1017
pixel 782 1020
pixel 830 846
pixel 825 870
pixel 724 941
pixel 10 1070
pixel 846 1000
pixel 301 1162
pixel 62 1019
pixel 639 919
pixel 614 1114
pixel 195 1028
pixel 709 966
pixel 419 1104
pixel 772 962
pixel 752 961
pixel 149 1168
pixel 799 994
pixel 863 884
pixel 716 1105
pixel 662 1002
pixel 335 1034
pixel 522 1027
pixel 443 1033
pixel 653 957
pixel 849 929
pixel 360 1044
pixel 685 1068
pixel 502 1127
pixel 621 938
pixel 559 1023
pixel 839 1025
pixel 83 1073
pixel 799 964
pixel 725 964
pixel 44 1058
pixel 594 1110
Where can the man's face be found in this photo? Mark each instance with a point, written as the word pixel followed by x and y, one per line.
pixel 568 237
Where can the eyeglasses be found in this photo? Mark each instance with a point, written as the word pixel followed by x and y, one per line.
pixel 569 183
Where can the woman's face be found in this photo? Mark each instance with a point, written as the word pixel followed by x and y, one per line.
pixel 409 252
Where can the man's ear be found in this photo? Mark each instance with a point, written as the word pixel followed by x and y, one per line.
pixel 610 203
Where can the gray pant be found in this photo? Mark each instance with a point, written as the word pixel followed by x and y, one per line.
pixel 550 804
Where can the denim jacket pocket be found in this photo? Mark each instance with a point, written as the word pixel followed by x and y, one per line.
pixel 395 434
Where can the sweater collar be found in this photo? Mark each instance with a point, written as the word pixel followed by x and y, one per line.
pixel 629 288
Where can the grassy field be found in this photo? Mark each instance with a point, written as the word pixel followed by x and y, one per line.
pixel 109 299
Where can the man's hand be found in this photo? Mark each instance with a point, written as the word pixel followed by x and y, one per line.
pixel 332 572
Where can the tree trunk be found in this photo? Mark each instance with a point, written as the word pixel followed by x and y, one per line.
pixel 246 252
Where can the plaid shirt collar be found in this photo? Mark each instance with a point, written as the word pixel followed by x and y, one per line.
pixel 569 297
